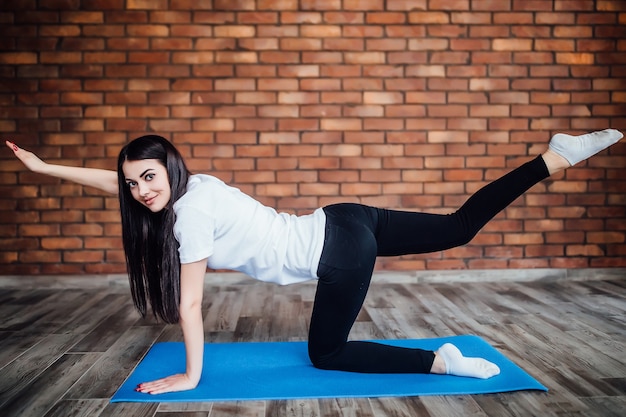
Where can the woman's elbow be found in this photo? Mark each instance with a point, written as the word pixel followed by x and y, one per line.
pixel 190 311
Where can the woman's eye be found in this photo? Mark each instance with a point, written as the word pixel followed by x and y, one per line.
pixel 149 177
pixel 131 184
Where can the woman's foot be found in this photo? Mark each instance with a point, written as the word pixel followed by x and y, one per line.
pixel 566 150
pixel 449 360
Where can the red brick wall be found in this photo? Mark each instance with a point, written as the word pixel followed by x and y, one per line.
pixel 400 103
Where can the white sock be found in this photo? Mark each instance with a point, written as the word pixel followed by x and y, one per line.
pixel 459 365
pixel 578 148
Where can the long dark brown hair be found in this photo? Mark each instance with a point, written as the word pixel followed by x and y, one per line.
pixel 149 244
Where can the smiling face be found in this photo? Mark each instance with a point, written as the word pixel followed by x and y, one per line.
pixel 148 182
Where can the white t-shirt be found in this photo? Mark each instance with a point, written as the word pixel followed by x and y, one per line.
pixel 234 231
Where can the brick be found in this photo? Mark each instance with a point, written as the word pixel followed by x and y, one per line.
pixel 168 125
pixel 169 16
pixel 429 17
pixel 294 175
pixel 573 32
pixel 40 256
pixel 179 112
pixel 211 44
pixel 300 71
pixel 343 44
pixel 278 111
pixel 447 84
pixel 366 111
pixel 104 57
pixel 128 125
pixel 213 125
pixel 81 125
pixel 406 31
pixel 512 44
pixel 605 237
pixel 360 189
pixel 575 58
pixel 486 84
pixel 91 256
pixel 300 125
pixel 385 18
pixel 60 30
pixel 18 58
pixel 574 5
pixel 102 243
pixel 406 5
pixel 550 98
pixel 339 176
pixel 287 17
pixel 231 31
pixel 233 57
pixel 555 18
pixel 60 57
pixel 258 44
pixel 61 243
pixel 321 58
pixel 407 57
pixel 320 4
pixel 146 4
pixel 81 98
pixel 38 230
pixel 82 17
pixel 258 17
pixel 269 31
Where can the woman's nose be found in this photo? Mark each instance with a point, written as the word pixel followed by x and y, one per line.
pixel 143 189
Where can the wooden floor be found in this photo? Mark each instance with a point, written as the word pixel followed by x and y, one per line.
pixel 64 352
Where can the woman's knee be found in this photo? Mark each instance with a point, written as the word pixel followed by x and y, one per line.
pixel 319 360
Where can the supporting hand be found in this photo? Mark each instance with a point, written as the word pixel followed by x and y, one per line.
pixel 178 382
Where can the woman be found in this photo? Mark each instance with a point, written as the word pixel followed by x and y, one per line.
pixel 175 224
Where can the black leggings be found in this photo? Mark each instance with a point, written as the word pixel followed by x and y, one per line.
pixel 357 234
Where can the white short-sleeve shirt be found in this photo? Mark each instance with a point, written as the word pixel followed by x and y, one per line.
pixel 236 232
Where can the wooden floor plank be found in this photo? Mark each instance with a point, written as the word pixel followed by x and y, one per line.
pixel 195 407
pixel 22 371
pixel 405 407
pixel 14 344
pixel 42 393
pixel 108 329
pixel 129 410
pixel 238 408
pixel 114 366
pixel 78 408
pixel 346 407
pixel 452 405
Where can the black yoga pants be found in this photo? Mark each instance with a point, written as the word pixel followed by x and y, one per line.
pixel 356 234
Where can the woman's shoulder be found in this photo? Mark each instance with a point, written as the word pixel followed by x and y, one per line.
pixel 201 182
pixel 202 189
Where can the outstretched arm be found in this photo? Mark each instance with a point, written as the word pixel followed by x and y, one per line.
pixel 101 179
pixel 191 286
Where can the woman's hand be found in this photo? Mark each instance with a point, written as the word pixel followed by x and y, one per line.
pixel 101 179
pixel 29 159
pixel 178 382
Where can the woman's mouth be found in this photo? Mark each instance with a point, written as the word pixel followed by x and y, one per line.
pixel 149 201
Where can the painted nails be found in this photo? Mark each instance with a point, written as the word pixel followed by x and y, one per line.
pixel 13 145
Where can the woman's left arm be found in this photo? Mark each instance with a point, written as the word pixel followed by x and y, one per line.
pixel 191 289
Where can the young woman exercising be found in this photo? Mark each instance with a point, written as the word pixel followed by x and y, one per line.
pixel 174 224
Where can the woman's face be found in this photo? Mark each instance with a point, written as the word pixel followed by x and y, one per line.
pixel 148 182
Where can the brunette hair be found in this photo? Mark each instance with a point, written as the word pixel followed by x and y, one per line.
pixel 150 246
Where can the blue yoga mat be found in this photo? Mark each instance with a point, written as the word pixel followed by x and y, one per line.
pixel 282 370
